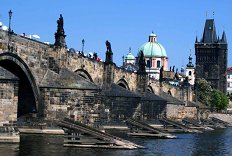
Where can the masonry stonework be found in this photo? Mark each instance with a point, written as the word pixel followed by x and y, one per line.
pixel 39 60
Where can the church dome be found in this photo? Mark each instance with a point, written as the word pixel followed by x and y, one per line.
pixel 153 48
pixel 129 56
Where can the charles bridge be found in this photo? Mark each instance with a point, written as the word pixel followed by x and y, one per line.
pixel 54 82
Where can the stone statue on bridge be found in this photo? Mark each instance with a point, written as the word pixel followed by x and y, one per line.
pixel 109 53
pixel 108 46
pixel 161 74
pixel 142 63
pixel 60 35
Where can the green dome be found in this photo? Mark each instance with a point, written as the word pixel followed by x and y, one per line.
pixel 129 56
pixel 153 48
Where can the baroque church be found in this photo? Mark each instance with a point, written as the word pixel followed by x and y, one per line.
pixel 154 54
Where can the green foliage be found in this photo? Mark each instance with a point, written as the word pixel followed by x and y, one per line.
pixel 219 100
pixel 210 97
pixel 203 91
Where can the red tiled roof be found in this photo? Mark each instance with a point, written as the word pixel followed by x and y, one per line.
pixel 229 69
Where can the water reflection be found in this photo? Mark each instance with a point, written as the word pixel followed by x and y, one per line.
pixel 9 149
pixel 213 143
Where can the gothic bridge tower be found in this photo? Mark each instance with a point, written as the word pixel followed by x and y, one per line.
pixel 211 57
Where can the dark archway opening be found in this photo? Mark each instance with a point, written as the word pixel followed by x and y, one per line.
pixel 83 73
pixel 149 89
pixel 122 85
pixel 26 97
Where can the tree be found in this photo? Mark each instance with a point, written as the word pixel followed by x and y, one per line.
pixel 210 97
pixel 219 100
pixel 203 91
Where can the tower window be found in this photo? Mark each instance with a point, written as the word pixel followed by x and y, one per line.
pixel 190 73
pixel 158 64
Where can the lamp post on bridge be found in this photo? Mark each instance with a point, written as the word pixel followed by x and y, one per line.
pixel 9 30
pixel 83 45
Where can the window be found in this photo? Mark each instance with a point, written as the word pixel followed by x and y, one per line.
pixel 190 73
pixel 158 64
pixel 228 84
pixel 148 63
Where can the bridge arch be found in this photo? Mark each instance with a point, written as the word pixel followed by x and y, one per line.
pixel 150 89
pixel 122 82
pixel 83 73
pixel 29 99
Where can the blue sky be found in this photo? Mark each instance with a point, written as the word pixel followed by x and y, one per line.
pixel 125 23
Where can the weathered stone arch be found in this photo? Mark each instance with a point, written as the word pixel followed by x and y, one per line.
pixel 29 98
pixel 83 73
pixel 122 82
pixel 150 89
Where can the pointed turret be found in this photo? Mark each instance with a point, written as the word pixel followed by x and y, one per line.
pixel 196 40
pixel 224 40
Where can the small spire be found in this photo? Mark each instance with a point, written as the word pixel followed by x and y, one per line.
pixel 182 69
pixel 190 63
pixel 224 37
pixel 196 40
pixel 129 49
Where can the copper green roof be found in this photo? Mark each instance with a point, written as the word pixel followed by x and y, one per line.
pixel 153 48
pixel 129 56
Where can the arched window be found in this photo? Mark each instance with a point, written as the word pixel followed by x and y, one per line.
pixel 190 73
pixel 158 64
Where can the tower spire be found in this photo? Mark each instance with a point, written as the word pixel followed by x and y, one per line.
pixel 190 63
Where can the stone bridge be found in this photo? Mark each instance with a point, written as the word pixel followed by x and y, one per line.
pixel 55 82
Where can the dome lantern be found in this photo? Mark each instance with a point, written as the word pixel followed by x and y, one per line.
pixel 153 48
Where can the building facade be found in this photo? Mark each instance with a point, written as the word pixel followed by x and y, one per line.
pixel 211 57
pixel 229 80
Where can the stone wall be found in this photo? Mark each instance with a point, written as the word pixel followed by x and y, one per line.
pixel 119 108
pixel 153 109
pixel 177 112
pixel 93 67
pixel 8 101
pixel 129 77
pixel 78 104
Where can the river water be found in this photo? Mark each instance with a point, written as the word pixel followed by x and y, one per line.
pixel 212 143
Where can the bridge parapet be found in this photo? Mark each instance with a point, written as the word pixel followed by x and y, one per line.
pixel 129 77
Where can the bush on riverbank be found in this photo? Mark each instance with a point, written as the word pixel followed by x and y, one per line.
pixel 219 100
pixel 211 97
